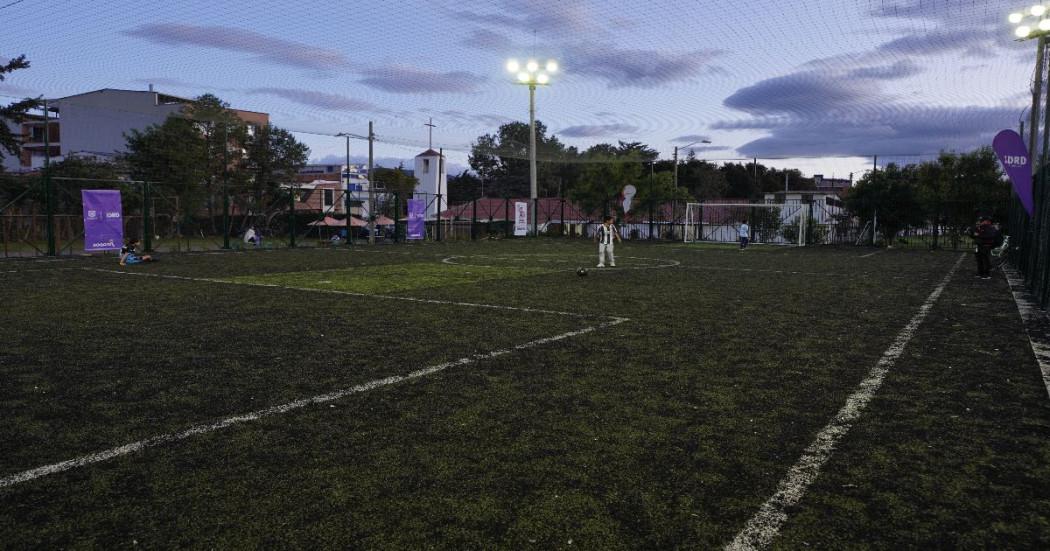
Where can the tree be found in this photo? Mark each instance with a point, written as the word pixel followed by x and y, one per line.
pixel 14 112
pixel 502 160
pixel 606 170
pixel 273 158
pixel 465 187
pixel 170 155
pixel 225 135
pixel 396 180
pixel 702 180
pixel 890 195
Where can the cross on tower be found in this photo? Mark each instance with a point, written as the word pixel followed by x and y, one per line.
pixel 430 133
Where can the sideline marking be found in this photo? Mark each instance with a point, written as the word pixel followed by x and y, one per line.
pixel 353 294
pixel 1036 323
pixel 872 254
pixel 451 260
pixel 139 445
pixel 760 530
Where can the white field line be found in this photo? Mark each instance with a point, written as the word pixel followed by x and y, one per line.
pixel 760 530
pixel 195 430
pixel 873 254
pixel 668 263
pixel 1036 323
pixel 353 294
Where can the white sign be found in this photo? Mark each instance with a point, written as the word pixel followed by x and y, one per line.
pixel 521 219
pixel 629 192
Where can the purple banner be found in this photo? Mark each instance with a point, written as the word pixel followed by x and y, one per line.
pixel 416 218
pixel 1010 149
pixel 103 222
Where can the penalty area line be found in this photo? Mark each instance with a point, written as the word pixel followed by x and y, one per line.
pixel 760 530
pixel 133 447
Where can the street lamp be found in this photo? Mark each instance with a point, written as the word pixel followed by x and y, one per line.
pixel 532 75
pixel 676 159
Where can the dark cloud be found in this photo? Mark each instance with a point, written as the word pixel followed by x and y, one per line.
pixel 708 148
pixel 555 19
pixel 484 39
pixel 622 68
pixel 264 48
pixel 809 116
pixel 595 130
pixel 805 94
pixel 332 102
pixel 689 138
pixel 901 69
pixel 410 80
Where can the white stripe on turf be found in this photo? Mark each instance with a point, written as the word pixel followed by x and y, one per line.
pixel 133 447
pixel 1036 323
pixel 872 254
pixel 760 530
pixel 353 294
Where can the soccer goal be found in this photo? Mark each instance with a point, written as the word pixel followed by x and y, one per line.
pixel 770 223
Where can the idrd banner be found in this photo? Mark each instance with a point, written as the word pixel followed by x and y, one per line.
pixel 416 218
pixel 103 222
pixel 521 218
pixel 1010 148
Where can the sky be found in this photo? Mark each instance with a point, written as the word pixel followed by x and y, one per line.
pixel 820 85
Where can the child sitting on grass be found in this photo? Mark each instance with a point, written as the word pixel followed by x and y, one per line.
pixel 129 254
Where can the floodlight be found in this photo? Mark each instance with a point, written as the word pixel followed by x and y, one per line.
pixel 1044 24
pixel 542 78
pixel 1023 31
pixel 1038 10
pixel 523 77
pixel 552 66
pixel 532 66
pixel 1016 18
pixel 513 66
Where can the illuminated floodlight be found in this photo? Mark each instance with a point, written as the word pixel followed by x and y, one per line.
pixel 523 77
pixel 552 66
pixel 1044 24
pixel 542 78
pixel 513 66
pixel 1037 10
pixel 1023 31
pixel 532 66
pixel 1016 18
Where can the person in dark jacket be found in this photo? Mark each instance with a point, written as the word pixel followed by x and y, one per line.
pixel 986 237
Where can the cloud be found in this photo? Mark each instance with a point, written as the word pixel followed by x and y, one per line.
pixel 264 48
pixel 401 79
pixel 689 138
pixel 901 69
pixel 484 39
pixel 709 148
pixel 622 68
pixel 554 19
pixel 806 114
pixel 595 130
pixel 332 102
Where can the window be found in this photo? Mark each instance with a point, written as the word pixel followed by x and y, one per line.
pixel 38 134
pixel 426 166
pixel 329 197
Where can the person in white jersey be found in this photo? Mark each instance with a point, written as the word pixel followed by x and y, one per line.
pixel 605 235
pixel 744 231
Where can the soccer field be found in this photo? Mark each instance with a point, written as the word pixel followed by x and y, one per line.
pixel 482 395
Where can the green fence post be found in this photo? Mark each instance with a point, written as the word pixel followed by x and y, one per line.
pixel 49 191
pixel 474 222
pixel 291 217
pixel 147 228
pixel 397 217
pixel 437 221
pixel 508 226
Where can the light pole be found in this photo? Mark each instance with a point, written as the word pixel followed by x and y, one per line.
pixel 532 75
pixel 676 159
pixel 346 199
pixel 1036 26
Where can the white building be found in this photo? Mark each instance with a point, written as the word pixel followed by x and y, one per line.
pixel 433 182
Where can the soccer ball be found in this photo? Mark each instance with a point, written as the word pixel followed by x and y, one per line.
pixel 581 272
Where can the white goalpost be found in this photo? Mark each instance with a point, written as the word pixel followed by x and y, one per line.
pixel 770 223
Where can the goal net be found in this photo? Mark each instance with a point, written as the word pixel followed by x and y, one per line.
pixel 769 223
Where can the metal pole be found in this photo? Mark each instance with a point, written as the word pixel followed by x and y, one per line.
pixel 532 155
pixel 49 192
pixel 1037 92
pixel 437 221
pixel 371 190
pixel 397 216
pixel 347 198
pixel 225 185
pixel 676 168
pixel 508 226
pixel 563 229
pixel 474 221
pixel 652 199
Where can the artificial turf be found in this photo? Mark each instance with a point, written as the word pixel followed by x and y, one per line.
pixel 665 431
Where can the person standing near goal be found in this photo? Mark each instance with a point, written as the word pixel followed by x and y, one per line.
pixel 744 231
pixel 605 235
